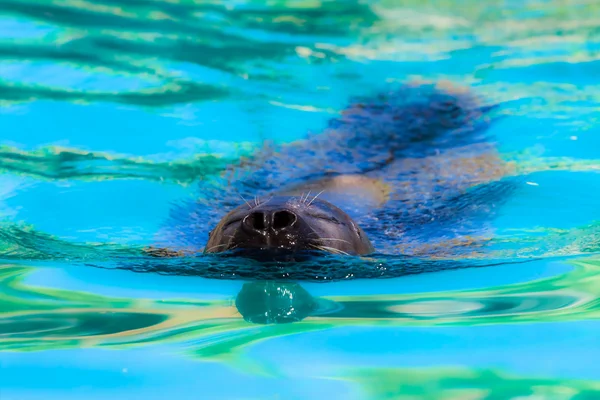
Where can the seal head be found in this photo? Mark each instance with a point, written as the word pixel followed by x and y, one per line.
pixel 288 225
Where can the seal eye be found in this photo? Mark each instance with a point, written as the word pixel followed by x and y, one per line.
pixel 355 228
pixel 325 217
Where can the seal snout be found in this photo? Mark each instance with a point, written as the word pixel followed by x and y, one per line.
pixel 273 220
pixel 283 225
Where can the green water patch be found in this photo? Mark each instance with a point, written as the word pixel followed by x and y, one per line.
pixel 168 41
pixel 573 296
pixel 527 162
pixel 177 92
pixel 461 383
pixel 78 324
pixel 36 318
pixel 544 242
pixel 57 163
pixel 168 44
pixel 39 318
pixel 23 242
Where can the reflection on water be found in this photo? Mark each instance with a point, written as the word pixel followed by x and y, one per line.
pixel 54 163
pixel 168 48
pixel 457 383
pixel 272 302
pixel 76 324
pixel 42 318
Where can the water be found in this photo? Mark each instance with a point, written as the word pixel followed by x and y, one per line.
pixel 113 111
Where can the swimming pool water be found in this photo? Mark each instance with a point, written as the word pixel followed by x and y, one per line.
pixel 112 110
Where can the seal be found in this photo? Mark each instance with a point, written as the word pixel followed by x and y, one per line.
pixel 287 225
pixel 411 171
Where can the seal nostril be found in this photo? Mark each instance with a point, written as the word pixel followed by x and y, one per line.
pixel 283 219
pixel 256 221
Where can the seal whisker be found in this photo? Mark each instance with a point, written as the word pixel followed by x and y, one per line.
pixel 245 200
pixel 330 249
pixel 306 198
pixel 301 197
pixel 334 239
pixel 333 250
pixel 315 246
pixel 217 246
pixel 314 198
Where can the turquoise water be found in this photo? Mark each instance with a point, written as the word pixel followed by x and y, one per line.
pixel 112 111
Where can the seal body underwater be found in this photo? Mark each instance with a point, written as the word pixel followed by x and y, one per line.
pixel 406 169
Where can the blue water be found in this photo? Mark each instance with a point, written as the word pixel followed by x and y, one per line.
pixel 110 77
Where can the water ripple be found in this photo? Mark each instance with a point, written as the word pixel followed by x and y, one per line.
pixel 52 318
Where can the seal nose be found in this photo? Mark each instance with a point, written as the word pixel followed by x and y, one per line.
pixel 283 219
pixel 256 221
pixel 276 220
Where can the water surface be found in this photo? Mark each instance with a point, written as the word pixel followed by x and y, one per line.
pixel 111 112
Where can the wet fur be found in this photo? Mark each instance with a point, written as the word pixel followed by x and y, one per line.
pixel 420 156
